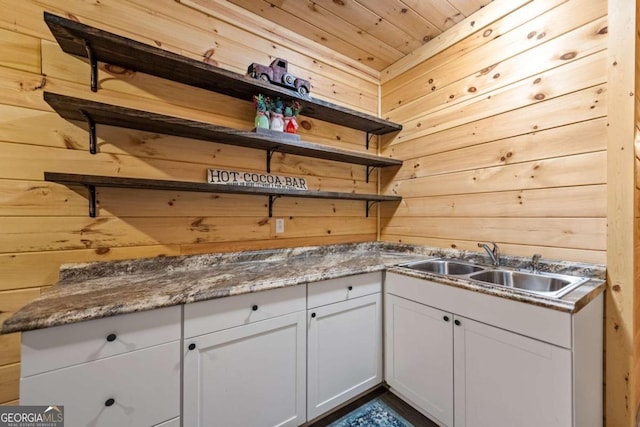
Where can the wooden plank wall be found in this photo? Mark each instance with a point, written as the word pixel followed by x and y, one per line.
pixel 504 136
pixel 43 225
pixel 633 286
pixel 621 357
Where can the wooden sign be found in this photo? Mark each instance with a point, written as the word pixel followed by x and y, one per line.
pixel 254 179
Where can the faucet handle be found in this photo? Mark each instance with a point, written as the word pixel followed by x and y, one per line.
pixel 535 260
pixel 493 252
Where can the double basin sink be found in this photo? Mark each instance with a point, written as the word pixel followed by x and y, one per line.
pixel 548 284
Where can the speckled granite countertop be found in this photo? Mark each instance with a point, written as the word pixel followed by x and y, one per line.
pixel 102 289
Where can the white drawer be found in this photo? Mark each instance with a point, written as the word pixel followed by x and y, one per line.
pixel 61 346
pixel 343 289
pixel 144 386
pixel 223 313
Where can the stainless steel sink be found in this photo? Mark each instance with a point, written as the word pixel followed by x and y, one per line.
pixel 443 266
pixel 540 283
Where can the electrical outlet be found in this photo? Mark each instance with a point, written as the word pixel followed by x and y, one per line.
pixel 279 225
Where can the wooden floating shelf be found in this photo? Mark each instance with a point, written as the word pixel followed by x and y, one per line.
pixel 93 181
pixel 98 45
pixel 95 112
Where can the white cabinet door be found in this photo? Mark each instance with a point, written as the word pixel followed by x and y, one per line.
pixel 419 356
pixel 503 379
pixel 140 388
pixel 344 352
pixel 248 376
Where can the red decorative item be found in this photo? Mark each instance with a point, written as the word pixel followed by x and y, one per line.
pixel 290 125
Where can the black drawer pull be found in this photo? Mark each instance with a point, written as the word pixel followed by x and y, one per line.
pixel 313 315
pixel 446 318
pixel 254 308
pixel 109 402
pixel 111 337
pixel 192 346
pixel 350 288
pixel 457 322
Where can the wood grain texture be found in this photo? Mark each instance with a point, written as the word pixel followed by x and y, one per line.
pixel 578 138
pixel 586 73
pixel 77 109
pixel 270 37
pixel 591 256
pixel 490 13
pixel 115 49
pixel 588 201
pixel 571 233
pixel 30 269
pixel 146 223
pixel 40 159
pixel 19 51
pixel 9 379
pixel 504 136
pixel 375 33
pixel 621 398
pixel 452 46
pixel 582 41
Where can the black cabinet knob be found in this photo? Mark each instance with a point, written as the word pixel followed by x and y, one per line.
pixel 111 337
pixel 457 322
pixel 350 288
pixel 192 346
pixel 109 402
pixel 254 308
pixel 446 318
pixel 313 315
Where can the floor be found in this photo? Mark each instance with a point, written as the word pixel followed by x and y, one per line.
pixel 394 402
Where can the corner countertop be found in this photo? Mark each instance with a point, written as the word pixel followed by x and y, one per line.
pixel 102 289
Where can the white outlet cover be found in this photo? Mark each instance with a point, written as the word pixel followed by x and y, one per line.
pixel 279 225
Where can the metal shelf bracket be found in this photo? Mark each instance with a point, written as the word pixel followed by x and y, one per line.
pixel 272 198
pixel 369 170
pixel 370 204
pixel 92 131
pixel 92 200
pixel 94 65
pixel 368 138
pixel 270 152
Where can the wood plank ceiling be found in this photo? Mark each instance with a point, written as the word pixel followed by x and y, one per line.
pixel 374 32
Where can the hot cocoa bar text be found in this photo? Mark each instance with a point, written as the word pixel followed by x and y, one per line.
pixel 253 179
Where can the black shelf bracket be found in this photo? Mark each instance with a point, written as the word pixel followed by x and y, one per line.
pixel 270 152
pixel 94 65
pixel 272 198
pixel 92 200
pixel 370 204
pixel 92 131
pixel 368 138
pixel 369 170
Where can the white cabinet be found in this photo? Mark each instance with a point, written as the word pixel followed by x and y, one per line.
pixel 494 353
pixel 506 379
pixel 344 341
pixel 419 356
pixel 246 373
pixel 500 378
pixel 90 368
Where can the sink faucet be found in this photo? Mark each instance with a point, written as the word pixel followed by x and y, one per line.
pixel 535 260
pixel 494 252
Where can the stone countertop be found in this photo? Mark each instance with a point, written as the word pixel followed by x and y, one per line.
pixel 102 289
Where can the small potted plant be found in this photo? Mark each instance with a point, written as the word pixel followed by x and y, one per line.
pixel 291 111
pixel 261 103
pixel 276 122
